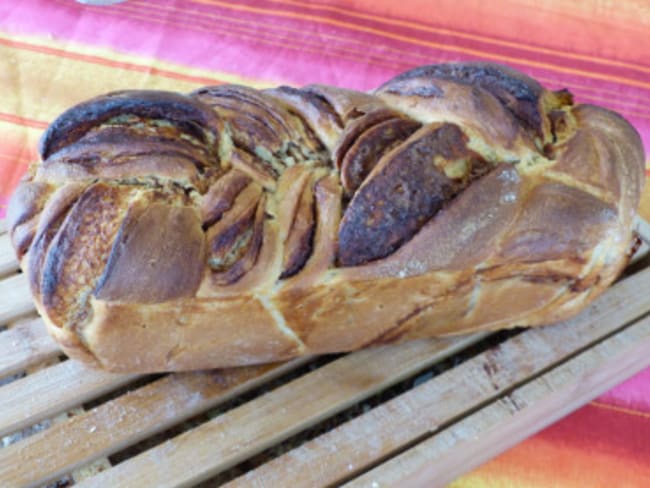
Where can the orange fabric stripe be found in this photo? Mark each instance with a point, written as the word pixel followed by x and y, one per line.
pixel 317 49
pixel 267 28
pixel 413 40
pixel 400 54
pixel 637 100
pixel 616 408
pixel 23 121
pixel 146 11
pixel 106 62
pixel 463 35
pixel 538 463
pixel 128 12
pixel 590 27
pixel 346 50
pixel 613 104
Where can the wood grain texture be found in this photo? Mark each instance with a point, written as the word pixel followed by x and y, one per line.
pixel 256 425
pixel 376 435
pixel 16 298
pixel 126 420
pixel 25 344
pixel 8 262
pixel 517 415
pixel 52 390
pixel 332 458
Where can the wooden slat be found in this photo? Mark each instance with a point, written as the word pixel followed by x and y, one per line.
pixel 87 470
pixel 243 432
pixel 511 419
pixel 52 390
pixel 126 420
pixel 8 262
pixel 350 448
pixel 140 413
pixel 15 298
pixel 256 425
pixel 25 345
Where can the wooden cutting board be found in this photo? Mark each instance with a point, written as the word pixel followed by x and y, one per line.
pixel 416 414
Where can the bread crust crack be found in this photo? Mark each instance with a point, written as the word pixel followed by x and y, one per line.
pixel 231 226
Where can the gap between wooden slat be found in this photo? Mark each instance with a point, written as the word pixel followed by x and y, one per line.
pixel 247 430
pixel 352 447
pixel 0 314
pixel 509 420
pixel 126 420
pixel 87 470
pixel 83 472
pixel 38 426
pixel 24 345
pixel 52 390
pixel 8 262
pixel 15 298
pixel 271 418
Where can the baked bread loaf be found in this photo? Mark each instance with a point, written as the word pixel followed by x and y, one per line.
pixel 234 226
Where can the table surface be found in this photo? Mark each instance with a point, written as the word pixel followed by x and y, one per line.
pixel 57 52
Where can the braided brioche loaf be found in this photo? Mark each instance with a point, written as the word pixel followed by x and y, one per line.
pixel 234 226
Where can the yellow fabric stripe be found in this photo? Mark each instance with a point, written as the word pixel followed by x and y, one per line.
pixel 437 45
pixel 520 44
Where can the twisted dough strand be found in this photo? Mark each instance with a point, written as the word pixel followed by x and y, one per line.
pixel 235 226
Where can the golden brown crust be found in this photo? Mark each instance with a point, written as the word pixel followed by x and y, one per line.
pixel 157 256
pixel 80 247
pixel 235 226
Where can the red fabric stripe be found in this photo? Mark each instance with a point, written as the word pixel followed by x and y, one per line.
pixel 507 55
pixel 252 29
pixel 353 12
pixel 24 121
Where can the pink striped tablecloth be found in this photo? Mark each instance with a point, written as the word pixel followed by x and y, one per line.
pixel 54 53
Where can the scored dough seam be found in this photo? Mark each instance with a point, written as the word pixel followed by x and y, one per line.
pixel 279 319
